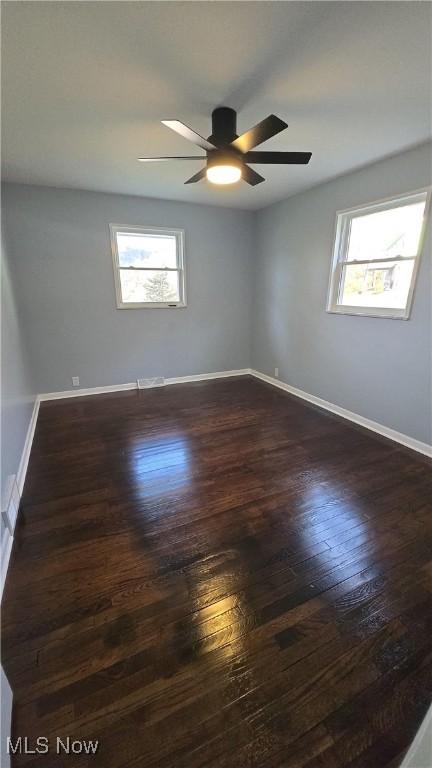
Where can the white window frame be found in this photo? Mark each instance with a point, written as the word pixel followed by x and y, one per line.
pixel 180 268
pixel 340 248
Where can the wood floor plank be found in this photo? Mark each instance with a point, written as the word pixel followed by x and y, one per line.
pixel 218 574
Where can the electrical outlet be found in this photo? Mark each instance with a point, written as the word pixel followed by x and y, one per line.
pixel 276 373
pixel 75 381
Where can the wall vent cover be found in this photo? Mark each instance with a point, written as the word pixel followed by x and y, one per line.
pixel 157 381
pixel 10 503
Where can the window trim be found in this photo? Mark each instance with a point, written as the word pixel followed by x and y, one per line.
pixel 179 235
pixel 343 217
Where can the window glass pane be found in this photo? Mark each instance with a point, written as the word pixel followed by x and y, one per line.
pixel 376 284
pixel 386 234
pixel 141 250
pixel 140 287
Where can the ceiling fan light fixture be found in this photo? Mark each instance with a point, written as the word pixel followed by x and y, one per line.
pixel 224 174
pixel 229 155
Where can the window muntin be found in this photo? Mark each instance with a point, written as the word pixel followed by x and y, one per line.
pixel 148 267
pixel 376 254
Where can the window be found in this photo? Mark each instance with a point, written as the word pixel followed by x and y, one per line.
pixel 376 254
pixel 148 267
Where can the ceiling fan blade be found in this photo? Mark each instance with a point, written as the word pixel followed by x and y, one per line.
pixel 267 128
pixel 188 134
pixel 158 159
pixel 251 177
pixel 197 176
pixel 278 158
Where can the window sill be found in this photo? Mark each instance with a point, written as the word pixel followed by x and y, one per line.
pixel 149 305
pixel 363 312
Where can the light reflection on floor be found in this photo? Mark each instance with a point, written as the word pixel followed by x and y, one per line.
pixel 224 622
pixel 160 464
pixel 320 498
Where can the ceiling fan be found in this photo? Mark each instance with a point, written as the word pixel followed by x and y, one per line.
pixel 228 154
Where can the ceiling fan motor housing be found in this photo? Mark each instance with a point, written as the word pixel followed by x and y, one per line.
pixel 224 126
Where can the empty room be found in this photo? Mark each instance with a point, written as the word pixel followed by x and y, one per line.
pixel 216 401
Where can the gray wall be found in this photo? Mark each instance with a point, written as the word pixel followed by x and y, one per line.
pixel 66 287
pixel 17 399
pixel 378 368
pixel 6 716
pixel 17 390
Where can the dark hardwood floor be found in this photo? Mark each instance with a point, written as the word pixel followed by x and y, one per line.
pixel 218 574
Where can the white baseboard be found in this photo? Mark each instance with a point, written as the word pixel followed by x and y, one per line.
pixel 374 426
pixel 6 549
pixel 22 468
pixel 11 498
pixel 84 392
pixel 207 376
pixel 7 538
pixel 134 385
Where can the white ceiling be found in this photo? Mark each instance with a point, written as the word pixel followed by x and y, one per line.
pixel 85 85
